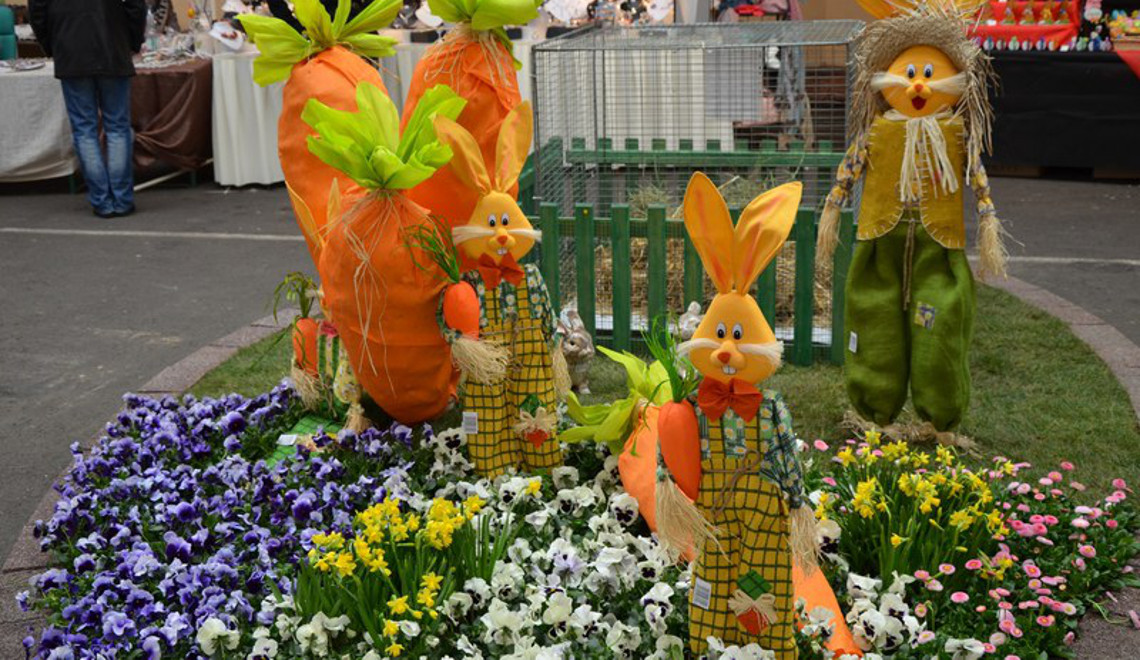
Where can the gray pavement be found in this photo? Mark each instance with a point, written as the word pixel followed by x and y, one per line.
pixel 89 315
pixel 1080 240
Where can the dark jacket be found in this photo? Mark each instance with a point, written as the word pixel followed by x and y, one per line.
pixel 90 38
pixel 281 10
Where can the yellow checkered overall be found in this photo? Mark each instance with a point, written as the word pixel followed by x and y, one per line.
pixel 520 318
pixel 746 468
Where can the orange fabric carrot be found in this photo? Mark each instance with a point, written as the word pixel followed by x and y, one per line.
pixel 381 291
pixel 475 60
pixel 680 445
pixel 816 592
pixel 324 63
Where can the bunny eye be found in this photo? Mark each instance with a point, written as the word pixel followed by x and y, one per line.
pixel 928 71
pixel 721 331
pixel 910 71
pixel 506 220
pixel 737 332
pixel 491 220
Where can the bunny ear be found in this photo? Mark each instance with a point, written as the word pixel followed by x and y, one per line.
pixel 710 226
pixel 513 145
pixel 763 227
pixel 467 159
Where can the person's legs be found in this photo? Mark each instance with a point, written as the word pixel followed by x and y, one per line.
pixel 115 101
pixel 81 96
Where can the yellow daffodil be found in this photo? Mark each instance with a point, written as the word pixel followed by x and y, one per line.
pixel 897 540
pixel 533 486
pixel 394 650
pixel 398 606
pixel 431 581
pixel 391 628
pixel 846 456
pixel 345 564
pixel 873 438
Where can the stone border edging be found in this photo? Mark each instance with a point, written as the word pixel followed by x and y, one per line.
pixel 25 554
pixel 1118 352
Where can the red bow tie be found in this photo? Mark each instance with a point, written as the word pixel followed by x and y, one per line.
pixel 507 269
pixel 714 397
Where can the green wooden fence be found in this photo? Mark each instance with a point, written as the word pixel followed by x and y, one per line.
pixel 588 230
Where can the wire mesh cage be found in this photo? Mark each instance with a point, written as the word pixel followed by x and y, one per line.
pixel 625 115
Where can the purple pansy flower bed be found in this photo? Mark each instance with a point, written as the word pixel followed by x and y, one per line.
pixel 175 516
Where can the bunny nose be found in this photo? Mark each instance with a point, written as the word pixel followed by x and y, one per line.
pixel 502 239
pixel 918 88
pixel 724 357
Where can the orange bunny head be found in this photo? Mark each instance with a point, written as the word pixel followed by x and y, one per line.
pixel 497 227
pixel 734 341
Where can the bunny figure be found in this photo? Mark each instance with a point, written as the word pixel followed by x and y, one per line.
pixel 738 500
pixel 578 348
pixel 510 422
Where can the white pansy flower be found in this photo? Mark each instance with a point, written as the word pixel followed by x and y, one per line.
pixel 506 580
pixel 558 609
pixel 458 605
pixel 623 639
pixel 409 629
pixel 624 509
pixel 868 629
pixel 214 636
pixel 899 582
pixel 564 477
pixel 964 649
pixel 863 587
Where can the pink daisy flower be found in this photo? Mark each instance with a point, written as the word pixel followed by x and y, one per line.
pixel 959 597
pixel 946 569
pixel 1087 551
pixel 1066 465
pixel 821 445
pixel 1045 621
pixel 974 564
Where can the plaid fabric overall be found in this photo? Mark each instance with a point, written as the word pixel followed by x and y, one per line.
pixel 520 318
pixel 745 469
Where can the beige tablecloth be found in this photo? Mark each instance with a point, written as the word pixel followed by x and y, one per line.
pixel 35 136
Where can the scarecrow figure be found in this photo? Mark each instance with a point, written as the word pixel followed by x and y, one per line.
pixel 921 122
pixel 509 401
pixel 729 487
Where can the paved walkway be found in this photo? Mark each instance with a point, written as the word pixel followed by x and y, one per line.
pixel 95 308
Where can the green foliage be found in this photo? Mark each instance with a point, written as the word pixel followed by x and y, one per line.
pixel 683 377
pixel 299 288
pixel 367 144
pixel 612 423
pixel 436 243
pixel 282 47
pixel 487 15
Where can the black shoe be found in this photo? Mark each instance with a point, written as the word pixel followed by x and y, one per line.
pixel 122 214
pixel 104 215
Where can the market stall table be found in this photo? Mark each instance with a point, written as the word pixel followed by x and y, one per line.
pixel 35 140
pixel 245 123
pixel 171 115
pixel 1073 109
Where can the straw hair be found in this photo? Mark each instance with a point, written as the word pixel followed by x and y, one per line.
pixel 562 381
pixel 681 527
pixel 991 247
pixel 480 360
pixel 927 24
pixel 356 421
pixel 805 550
pixel 307 386
pixel 828 234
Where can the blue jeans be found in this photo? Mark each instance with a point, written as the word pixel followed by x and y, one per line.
pixel 110 178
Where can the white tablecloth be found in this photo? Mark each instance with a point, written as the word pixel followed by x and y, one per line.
pixel 245 123
pixel 35 135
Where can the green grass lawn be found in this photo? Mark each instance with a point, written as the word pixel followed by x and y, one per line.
pixel 1040 394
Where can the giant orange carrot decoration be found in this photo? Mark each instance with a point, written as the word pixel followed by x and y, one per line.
pixel 475 60
pixel 326 63
pixel 375 288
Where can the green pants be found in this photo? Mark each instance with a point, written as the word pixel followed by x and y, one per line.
pixel 909 317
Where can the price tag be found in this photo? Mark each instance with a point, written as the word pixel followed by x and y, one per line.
pixel 853 343
pixel 470 422
pixel 702 593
